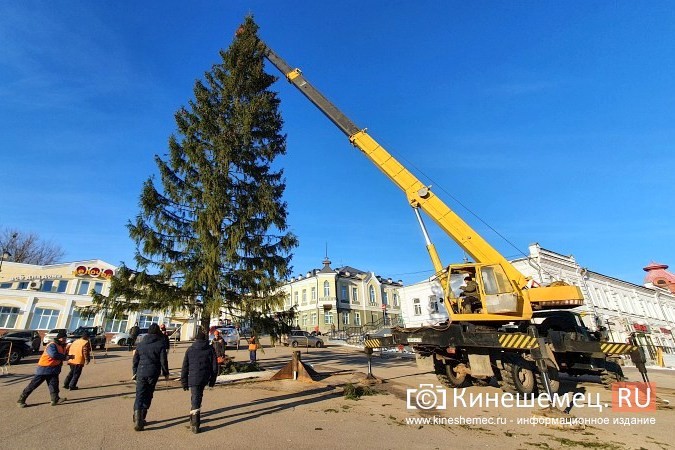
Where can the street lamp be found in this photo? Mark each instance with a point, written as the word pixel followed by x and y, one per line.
pixel 5 255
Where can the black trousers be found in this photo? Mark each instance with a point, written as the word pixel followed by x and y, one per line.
pixel 73 376
pixel 197 394
pixel 145 389
pixel 52 384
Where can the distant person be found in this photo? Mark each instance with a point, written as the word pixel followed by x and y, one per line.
pixel 470 295
pixel 252 348
pixel 80 354
pixel 218 344
pixel 133 335
pixel 48 369
pixel 167 343
pixel 200 368
pixel 149 361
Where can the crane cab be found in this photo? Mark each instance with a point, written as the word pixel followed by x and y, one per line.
pixel 492 297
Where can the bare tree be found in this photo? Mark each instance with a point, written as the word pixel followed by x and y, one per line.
pixel 29 248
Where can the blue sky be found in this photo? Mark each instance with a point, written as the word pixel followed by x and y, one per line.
pixel 553 122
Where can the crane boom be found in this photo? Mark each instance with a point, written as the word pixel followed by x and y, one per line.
pixel 421 197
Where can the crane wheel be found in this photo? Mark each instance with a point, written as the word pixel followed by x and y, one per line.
pixel 554 382
pixel 517 378
pixel 446 374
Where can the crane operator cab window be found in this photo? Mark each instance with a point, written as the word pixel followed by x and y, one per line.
pixel 499 295
pixel 470 295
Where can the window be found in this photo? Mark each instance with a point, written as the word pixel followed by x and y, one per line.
pixel 313 318
pixel 116 324
pixel 345 318
pixel 344 298
pixel 355 295
pixel 433 304
pixel 8 316
pixel 304 320
pixel 44 319
pixel 83 289
pixel 313 294
pixel 385 298
pixel 395 299
pixel 47 286
pixel 296 298
pixel 327 318
pixel 145 320
pixel 23 285
pixel 371 291
pixel 63 284
pixel 417 307
pixel 304 296
pixel 5 285
pixel 326 289
pixel 357 318
pixel 288 300
pixel 98 287
pixel 78 320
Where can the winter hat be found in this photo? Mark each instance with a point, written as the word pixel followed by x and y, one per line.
pixel 154 329
pixel 61 334
pixel 200 336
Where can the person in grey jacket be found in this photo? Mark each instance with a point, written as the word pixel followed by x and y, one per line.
pixel 149 361
pixel 200 368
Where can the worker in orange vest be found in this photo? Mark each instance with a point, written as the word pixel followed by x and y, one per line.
pixel 80 350
pixel 48 369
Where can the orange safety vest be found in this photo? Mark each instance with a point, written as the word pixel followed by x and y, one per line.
pixel 77 349
pixel 48 361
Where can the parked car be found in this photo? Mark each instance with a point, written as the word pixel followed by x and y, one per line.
pixel 49 337
pixel 30 337
pixel 14 349
pixel 174 334
pixel 96 336
pixel 299 338
pixel 230 336
pixel 122 339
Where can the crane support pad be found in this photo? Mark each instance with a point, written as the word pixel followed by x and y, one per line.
pixel 517 340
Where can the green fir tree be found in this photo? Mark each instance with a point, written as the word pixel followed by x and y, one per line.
pixel 214 236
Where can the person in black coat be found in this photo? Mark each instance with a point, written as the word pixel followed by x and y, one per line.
pixel 200 368
pixel 150 360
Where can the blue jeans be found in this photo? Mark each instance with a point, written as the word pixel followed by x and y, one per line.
pixel 252 354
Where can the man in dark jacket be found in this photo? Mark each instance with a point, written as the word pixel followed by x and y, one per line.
pixel 149 360
pixel 133 335
pixel 49 368
pixel 199 369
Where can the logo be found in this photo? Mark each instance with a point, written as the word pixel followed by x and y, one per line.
pixel 426 397
pixel 633 397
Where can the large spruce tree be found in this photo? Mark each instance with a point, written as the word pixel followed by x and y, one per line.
pixel 214 235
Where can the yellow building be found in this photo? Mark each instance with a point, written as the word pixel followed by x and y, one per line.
pixel 341 299
pixel 42 298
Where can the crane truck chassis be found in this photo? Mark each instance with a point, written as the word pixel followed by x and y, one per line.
pixel 475 345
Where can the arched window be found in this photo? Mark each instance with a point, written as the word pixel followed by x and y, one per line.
pixel 326 289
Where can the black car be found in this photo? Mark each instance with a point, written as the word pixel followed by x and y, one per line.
pixel 30 337
pixel 13 350
pixel 97 336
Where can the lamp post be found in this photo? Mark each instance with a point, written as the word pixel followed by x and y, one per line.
pixel 5 255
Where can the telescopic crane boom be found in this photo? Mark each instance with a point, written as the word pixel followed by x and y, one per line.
pixel 504 289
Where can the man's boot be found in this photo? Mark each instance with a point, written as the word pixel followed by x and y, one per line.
pixel 22 401
pixel 56 399
pixel 139 423
pixel 144 412
pixel 194 421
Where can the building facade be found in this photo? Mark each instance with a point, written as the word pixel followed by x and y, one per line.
pixel 339 299
pixel 46 297
pixel 625 309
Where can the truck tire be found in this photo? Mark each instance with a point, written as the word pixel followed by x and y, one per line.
pixel 611 374
pixel 445 372
pixel 517 378
pixel 554 382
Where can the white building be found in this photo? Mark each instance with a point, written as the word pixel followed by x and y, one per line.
pixel 647 312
